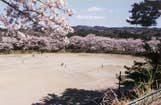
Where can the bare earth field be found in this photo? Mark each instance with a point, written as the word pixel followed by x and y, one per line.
pixel 26 78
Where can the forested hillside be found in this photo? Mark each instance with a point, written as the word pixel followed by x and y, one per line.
pixel 124 32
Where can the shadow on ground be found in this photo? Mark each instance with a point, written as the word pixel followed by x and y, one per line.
pixel 73 97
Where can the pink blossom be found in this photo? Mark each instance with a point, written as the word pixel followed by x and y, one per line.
pixel 104 44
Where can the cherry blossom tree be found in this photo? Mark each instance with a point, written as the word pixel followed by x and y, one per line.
pixel 48 16
pixel 43 14
pixel 94 43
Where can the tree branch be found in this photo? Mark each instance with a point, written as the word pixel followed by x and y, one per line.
pixel 21 12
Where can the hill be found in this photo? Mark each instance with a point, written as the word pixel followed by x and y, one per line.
pixel 117 32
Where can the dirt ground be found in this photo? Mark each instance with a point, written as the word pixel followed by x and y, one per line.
pixel 26 78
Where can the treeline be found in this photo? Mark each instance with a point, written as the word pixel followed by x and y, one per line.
pixel 125 32
pixel 107 40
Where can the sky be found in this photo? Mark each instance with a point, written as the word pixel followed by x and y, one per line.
pixel 109 13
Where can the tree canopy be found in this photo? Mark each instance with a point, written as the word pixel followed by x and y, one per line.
pixel 42 14
pixel 145 13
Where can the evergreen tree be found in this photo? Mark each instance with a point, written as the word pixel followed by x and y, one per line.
pixel 145 13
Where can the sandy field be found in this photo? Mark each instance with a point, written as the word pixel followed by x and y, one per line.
pixel 26 78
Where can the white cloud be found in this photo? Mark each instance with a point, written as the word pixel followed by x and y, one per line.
pixel 95 9
pixel 86 17
pixel 112 11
